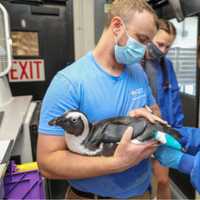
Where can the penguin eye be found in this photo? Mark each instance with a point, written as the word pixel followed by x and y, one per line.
pixel 74 120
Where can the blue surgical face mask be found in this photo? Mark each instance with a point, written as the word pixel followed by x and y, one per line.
pixel 132 52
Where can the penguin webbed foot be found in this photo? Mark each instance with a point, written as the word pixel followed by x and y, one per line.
pixel 146 135
pixel 108 149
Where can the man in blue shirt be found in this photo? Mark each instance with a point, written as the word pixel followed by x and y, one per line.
pixel 102 84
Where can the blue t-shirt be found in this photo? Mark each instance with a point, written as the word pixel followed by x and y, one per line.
pixel 86 86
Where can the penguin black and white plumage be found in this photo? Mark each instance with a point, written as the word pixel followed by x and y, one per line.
pixel 102 137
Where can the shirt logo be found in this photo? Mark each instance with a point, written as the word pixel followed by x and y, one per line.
pixel 138 93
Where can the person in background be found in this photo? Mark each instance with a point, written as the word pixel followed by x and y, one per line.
pixel 104 83
pixel 164 85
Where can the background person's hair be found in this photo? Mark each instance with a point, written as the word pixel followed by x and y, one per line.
pixel 170 29
pixel 167 26
pixel 126 8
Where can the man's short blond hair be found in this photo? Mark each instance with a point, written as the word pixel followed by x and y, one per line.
pixel 126 8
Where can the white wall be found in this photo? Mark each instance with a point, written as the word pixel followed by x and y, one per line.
pixel 84 31
pixel 186 33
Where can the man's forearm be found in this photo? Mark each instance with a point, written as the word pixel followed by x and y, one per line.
pixel 57 162
pixel 67 165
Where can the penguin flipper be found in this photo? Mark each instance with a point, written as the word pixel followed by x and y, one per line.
pixel 113 132
pixel 108 130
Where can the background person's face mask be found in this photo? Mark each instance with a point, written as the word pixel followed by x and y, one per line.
pixel 132 52
pixel 154 52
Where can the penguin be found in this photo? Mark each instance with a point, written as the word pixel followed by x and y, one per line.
pixel 102 137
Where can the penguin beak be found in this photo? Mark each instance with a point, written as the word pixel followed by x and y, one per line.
pixel 56 121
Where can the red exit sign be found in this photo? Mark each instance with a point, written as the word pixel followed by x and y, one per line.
pixel 27 70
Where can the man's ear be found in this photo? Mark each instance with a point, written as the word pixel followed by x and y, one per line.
pixel 116 25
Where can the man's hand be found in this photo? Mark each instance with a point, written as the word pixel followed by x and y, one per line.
pixel 190 139
pixel 143 112
pixel 128 154
pixel 155 110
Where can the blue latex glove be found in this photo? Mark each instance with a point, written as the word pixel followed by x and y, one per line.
pixel 168 157
pixel 190 139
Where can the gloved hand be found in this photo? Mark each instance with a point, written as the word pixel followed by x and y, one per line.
pixel 190 139
pixel 168 157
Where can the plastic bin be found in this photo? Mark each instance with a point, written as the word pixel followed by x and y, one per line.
pixel 23 184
